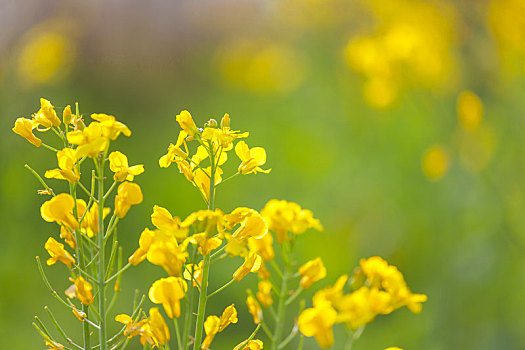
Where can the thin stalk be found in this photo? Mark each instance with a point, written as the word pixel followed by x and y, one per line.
pixel 102 256
pixel 39 178
pixel 177 332
pixel 201 310
pixel 60 329
pixel 186 330
pixel 48 285
pixel 49 147
pixel 221 288
pixel 254 333
pixel 278 331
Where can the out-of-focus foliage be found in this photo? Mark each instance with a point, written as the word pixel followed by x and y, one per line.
pixel 399 123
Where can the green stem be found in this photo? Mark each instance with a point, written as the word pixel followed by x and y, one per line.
pixel 201 310
pixel 186 330
pixel 39 178
pixel 279 321
pixel 102 255
pixel 221 288
pixel 177 332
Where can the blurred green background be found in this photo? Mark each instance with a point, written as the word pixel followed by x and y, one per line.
pixel 399 123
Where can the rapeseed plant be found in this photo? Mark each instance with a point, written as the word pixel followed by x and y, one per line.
pixel 186 249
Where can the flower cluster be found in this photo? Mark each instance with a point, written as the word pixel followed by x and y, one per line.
pixel 257 243
pixel 379 288
pixel 82 222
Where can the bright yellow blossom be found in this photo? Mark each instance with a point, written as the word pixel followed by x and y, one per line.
pixel 211 327
pixel 90 141
pixel 166 252
pixel 361 307
pixel 162 219
pixel 262 246
pixel 186 123
pixel 24 127
pixel 68 236
pixel 46 116
pixel 89 224
pixel 83 290
pixel 175 154
pixel 283 217
pixel 201 178
pixel 197 273
pixel 254 344
pixel 59 209
pixel 205 244
pixel 252 263
pixel 209 221
pixel 58 253
pixel 111 128
pixel 318 322
pixel 168 292
pixel 229 316
pixel 66 163
pixel 311 272
pixel 254 309
pixel 118 163
pixel 265 293
pixel 331 295
pixel 146 239
pixel 158 327
pixel 128 194
pixel 132 328
pixel 251 158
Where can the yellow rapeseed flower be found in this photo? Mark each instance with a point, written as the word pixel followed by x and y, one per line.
pixel 251 158
pixel 90 141
pixel 163 220
pixel 254 344
pixel 211 327
pixel 361 307
pixel 46 115
pixel 134 328
pixel 311 272
pixel 146 239
pixel 166 252
pixel 318 322
pixel 118 163
pixel 168 292
pixel 89 224
pixel 111 128
pixel 265 293
pixel 24 127
pixel 229 316
pixel 254 309
pixel 283 217
pixel 186 123
pixel 158 327
pixel 128 194
pixel 58 253
pixel 262 246
pixel 66 164
pixel 252 263
pixel 197 273
pixel 83 290
pixel 59 209
pixel 175 154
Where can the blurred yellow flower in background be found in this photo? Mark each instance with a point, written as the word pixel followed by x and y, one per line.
pixel 436 162
pixel 260 66
pixel 48 52
pixel 470 110
pixel 410 45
